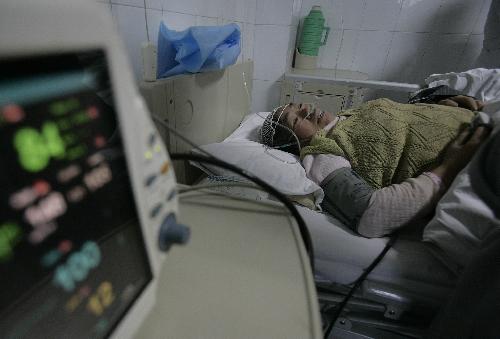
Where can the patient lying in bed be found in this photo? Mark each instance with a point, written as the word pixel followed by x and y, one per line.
pixel 384 164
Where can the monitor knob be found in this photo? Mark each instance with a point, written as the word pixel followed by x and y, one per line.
pixel 172 233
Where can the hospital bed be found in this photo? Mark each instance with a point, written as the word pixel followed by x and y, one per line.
pixel 97 265
pixel 398 298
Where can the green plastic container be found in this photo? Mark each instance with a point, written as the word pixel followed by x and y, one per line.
pixel 311 37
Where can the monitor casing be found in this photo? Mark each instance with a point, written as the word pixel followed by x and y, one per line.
pixel 30 28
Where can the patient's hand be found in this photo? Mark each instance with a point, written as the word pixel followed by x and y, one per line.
pixel 464 102
pixel 458 154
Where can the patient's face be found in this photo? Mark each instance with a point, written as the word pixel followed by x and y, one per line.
pixel 305 119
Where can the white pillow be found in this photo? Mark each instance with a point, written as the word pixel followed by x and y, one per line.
pixel 249 128
pixel 279 169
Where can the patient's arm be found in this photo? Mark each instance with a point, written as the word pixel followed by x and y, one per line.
pixel 375 213
pixel 370 212
pixel 395 206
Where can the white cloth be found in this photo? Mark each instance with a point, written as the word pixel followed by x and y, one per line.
pixel 481 83
pixel 461 224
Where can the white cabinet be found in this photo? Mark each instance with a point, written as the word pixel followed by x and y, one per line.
pixel 335 96
pixel 203 107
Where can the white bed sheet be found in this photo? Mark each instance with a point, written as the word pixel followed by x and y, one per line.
pixel 341 256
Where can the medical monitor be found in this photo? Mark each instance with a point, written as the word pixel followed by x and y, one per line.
pixel 70 240
pixel 86 184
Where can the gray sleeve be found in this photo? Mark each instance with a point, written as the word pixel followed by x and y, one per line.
pixel 346 196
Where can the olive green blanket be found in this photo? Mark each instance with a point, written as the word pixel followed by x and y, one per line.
pixel 387 142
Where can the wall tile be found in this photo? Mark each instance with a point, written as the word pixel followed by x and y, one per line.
pixel 154 4
pixel 471 52
pixel 349 13
pixel 212 8
pixel 347 51
pixel 381 14
pixel 371 52
pixel 442 54
pixel 328 54
pixel 136 3
pixel 492 28
pixel 250 10
pixel 265 95
pixel 248 41
pixel 296 12
pixel 230 9
pixel 206 21
pixel 271 48
pixel 182 6
pixel 405 57
pixel 178 21
pixel 418 16
pixel 457 16
pixel 291 46
pixel 154 18
pixel 482 17
pixel 276 12
pixel 105 6
pixel 229 21
pixel 132 28
pixel 240 9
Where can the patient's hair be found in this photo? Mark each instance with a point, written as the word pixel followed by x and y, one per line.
pixel 276 134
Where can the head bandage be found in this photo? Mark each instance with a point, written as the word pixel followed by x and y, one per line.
pixel 268 129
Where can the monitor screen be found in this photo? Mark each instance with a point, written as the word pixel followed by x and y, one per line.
pixel 72 256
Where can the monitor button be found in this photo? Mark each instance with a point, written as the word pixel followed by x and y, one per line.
pixel 172 233
pixel 150 180
pixel 155 210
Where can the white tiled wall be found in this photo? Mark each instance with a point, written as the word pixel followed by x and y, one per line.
pixel 275 32
pixel 397 40
pixel 268 32
pixel 402 40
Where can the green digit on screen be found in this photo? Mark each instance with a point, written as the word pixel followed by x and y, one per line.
pixel 53 140
pixel 35 148
pixel 33 155
pixel 10 235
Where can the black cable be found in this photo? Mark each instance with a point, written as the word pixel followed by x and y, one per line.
pixel 304 232
pixel 357 283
